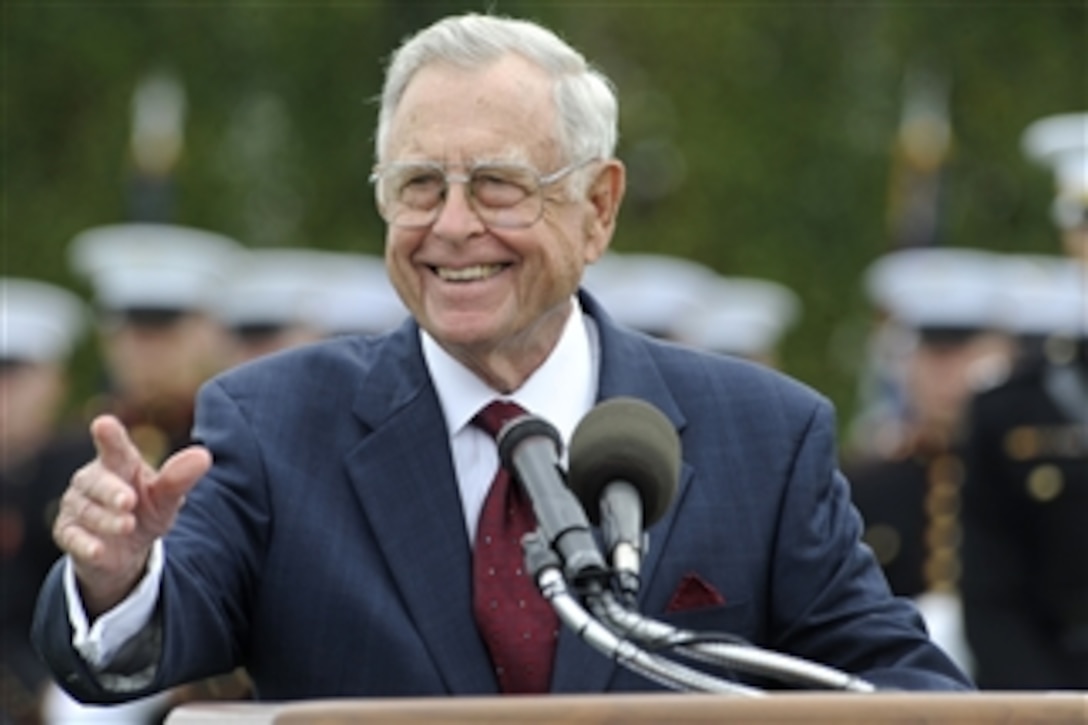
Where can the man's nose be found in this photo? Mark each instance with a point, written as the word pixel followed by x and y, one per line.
pixel 457 216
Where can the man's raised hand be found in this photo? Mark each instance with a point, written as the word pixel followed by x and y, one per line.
pixel 115 508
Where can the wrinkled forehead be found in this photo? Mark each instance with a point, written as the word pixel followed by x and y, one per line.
pixel 501 112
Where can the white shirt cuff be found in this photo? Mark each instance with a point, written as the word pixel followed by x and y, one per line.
pixel 98 644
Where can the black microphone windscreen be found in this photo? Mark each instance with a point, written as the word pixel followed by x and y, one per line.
pixel 520 429
pixel 625 439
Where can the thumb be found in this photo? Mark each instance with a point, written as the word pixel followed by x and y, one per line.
pixel 178 474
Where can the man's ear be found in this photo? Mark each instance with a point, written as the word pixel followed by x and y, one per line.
pixel 604 195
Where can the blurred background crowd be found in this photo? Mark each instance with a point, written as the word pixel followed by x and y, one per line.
pixel 888 202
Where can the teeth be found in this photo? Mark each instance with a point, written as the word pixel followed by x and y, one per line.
pixel 468 274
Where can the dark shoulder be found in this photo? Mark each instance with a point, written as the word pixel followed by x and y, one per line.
pixel 738 384
pixel 319 363
pixel 731 369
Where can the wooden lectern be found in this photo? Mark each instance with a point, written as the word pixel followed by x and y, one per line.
pixel 659 709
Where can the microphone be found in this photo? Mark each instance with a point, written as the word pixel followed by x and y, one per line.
pixel 624 468
pixel 529 448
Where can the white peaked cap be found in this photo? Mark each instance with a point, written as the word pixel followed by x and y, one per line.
pixel 275 286
pixel 39 322
pixel 153 266
pixel 1071 172
pixel 1060 142
pixel 743 316
pixel 937 287
pixel 1044 295
pixel 650 292
pixel 1052 138
pixel 357 297
pixel 1070 206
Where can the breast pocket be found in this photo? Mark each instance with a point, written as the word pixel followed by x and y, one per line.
pixel 733 619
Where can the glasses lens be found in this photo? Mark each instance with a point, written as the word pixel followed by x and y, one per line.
pixel 506 196
pixel 411 193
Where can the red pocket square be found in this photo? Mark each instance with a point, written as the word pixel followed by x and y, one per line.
pixel 694 592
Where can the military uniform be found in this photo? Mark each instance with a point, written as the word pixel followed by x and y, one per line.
pixel 1025 505
pixel 910 504
pixel 40 324
pixel 939 305
pixel 1025 513
pixel 937 341
pixel 29 498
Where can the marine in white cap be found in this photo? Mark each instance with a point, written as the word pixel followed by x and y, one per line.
pixel 1060 143
pixel 937 337
pixel 40 326
pixel 937 307
pixel 154 287
pixel 1025 501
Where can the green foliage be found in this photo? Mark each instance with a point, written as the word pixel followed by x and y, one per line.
pixel 758 135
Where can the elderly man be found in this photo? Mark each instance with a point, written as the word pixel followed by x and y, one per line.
pixel 341 535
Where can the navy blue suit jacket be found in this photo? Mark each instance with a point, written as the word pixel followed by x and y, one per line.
pixel 326 550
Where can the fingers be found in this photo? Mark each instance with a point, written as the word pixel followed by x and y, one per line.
pixel 109 482
pixel 96 504
pixel 83 536
pixel 117 454
pixel 99 515
pixel 116 506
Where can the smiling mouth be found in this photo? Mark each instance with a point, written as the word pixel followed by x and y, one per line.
pixel 469 274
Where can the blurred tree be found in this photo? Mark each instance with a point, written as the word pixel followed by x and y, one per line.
pixel 758 136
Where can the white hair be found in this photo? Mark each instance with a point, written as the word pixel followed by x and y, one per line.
pixel 584 97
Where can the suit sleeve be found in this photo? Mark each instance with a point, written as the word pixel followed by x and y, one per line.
pixel 215 551
pixel 211 559
pixel 51 634
pixel 831 601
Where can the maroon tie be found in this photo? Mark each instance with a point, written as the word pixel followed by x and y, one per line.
pixel 518 625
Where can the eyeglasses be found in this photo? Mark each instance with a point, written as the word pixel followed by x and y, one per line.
pixel 508 196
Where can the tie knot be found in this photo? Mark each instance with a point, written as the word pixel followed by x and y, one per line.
pixel 496 414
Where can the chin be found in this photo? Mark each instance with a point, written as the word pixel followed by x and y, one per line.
pixel 462 329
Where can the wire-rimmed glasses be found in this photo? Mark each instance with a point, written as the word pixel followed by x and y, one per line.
pixel 505 195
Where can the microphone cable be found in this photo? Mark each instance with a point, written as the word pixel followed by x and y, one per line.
pixel 723 650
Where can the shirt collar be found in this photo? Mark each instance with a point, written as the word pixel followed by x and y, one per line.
pixel 570 369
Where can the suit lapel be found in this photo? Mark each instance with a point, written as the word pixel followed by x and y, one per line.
pixel 627 369
pixel 403 475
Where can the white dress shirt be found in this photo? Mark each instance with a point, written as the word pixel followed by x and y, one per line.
pixel 561 391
